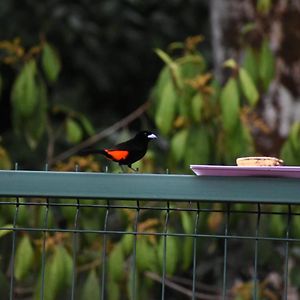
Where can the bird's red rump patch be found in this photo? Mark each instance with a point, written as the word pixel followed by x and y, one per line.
pixel 117 154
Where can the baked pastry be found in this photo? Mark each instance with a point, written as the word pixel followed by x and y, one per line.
pixel 259 161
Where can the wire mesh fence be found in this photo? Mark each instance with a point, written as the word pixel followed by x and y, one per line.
pixel 55 244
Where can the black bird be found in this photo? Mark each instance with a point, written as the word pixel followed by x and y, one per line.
pixel 128 152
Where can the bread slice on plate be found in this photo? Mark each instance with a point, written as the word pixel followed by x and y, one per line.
pixel 259 161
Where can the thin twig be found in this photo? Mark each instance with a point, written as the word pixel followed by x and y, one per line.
pixel 181 289
pixel 101 135
pixel 89 266
pixel 203 286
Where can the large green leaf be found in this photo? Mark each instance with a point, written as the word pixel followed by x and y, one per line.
pixel 91 289
pixel 35 126
pixel 250 64
pixel 146 258
pixel 188 242
pixel 50 62
pixel 163 78
pixel 86 124
pixel 266 64
pixel 191 66
pixel 62 267
pixel 127 241
pixel 73 131
pixel 172 254
pixel 114 290
pixel 6 231
pixel 116 263
pixel 58 274
pixel 24 258
pixel 178 144
pixel 198 146
pixel 230 105
pixel 173 66
pixel 238 142
pixel 165 113
pixel 248 87
pixel 277 225
pixel 24 94
pixel 289 154
pixel 197 105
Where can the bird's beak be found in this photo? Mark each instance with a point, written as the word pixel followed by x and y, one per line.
pixel 152 136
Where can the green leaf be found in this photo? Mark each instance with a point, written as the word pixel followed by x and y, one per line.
pixel 6 231
pixel 5 161
pixel 172 254
pixel 127 241
pixel 62 266
pixel 51 282
pixel 86 124
pixel 173 66
pixel 230 105
pixel 296 225
pixel 166 109
pixel 91 289
pixel 238 142
pixel 248 87
pixel 73 130
pixel 188 242
pixel 163 79
pixel 164 56
pixel 116 263
pixel 230 63
pixel 178 144
pixel 186 221
pixel 266 64
pixel 288 154
pixel 24 258
pixel 24 213
pixel 35 126
pixel 24 94
pixel 114 290
pixel 277 225
pixel 191 66
pixel 187 252
pixel 146 258
pixel 250 63
pixel 50 62
pixel 197 105
pixel 58 274
pixel 263 6
pixel 294 136
pixel 199 146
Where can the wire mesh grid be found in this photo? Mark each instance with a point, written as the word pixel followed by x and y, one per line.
pixel 55 248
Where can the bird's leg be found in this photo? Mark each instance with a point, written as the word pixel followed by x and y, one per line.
pixel 135 170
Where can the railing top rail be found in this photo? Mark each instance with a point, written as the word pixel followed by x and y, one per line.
pixel 149 187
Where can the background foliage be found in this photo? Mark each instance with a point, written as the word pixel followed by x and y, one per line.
pixel 68 70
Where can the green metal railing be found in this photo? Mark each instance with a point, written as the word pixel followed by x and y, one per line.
pixel 62 198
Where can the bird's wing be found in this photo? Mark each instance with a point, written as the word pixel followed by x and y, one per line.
pixel 116 154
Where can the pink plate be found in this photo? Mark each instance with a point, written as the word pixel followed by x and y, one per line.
pixel 214 170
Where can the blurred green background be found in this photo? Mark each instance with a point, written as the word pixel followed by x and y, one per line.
pixel 216 80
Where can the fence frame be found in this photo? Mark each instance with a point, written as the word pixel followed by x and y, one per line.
pixel 150 187
pixel 153 187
